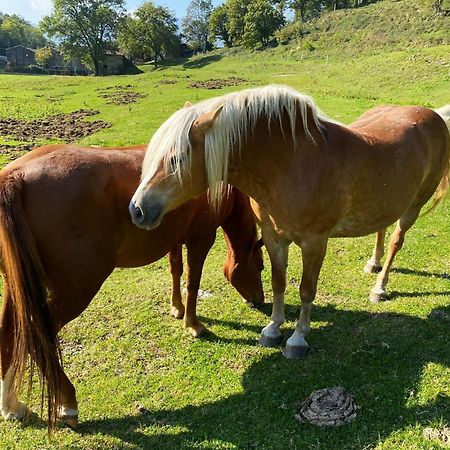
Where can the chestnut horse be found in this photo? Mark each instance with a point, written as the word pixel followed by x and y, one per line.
pixel 310 178
pixel 64 227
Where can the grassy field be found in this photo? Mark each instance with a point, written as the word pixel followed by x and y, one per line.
pixel 143 383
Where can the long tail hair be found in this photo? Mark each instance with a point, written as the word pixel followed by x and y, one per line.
pixel 34 329
pixel 444 184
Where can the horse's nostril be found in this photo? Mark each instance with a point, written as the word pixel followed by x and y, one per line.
pixel 136 213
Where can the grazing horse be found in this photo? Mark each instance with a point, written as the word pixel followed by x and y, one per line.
pixel 310 178
pixel 64 227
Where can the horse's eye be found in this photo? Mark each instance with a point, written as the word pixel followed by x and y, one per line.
pixel 173 163
pixel 177 161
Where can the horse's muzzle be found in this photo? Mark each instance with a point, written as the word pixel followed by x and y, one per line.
pixel 147 219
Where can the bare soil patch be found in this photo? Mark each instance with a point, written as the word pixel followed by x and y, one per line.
pixel 12 152
pixel 164 82
pixel 67 127
pixel 120 95
pixel 218 83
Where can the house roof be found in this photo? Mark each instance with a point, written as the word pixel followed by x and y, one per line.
pixel 22 46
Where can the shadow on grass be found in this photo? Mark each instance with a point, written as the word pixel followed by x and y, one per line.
pixel 201 62
pixel 395 294
pixel 381 358
pixel 421 273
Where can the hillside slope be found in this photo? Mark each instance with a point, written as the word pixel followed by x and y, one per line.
pixel 386 24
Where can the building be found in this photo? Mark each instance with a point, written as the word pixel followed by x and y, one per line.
pixel 113 64
pixel 20 56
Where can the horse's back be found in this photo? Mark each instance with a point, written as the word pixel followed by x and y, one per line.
pixel 395 157
pixel 391 122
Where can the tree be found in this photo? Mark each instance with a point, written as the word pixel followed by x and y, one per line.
pixel 218 25
pixel 43 56
pixel 236 11
pixel 16 31
pixel 196 23
pixel 150 33
pixel 260 23
pixel 85 28
pixel 303 9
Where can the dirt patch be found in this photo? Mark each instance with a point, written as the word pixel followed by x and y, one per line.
pixel 120 95
pixel 218 83
pixel 67 127
pixel 12 152
pixel 163 82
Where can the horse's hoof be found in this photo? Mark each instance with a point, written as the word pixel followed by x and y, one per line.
pixel 378 295
pixel 197 330
pixel 295 351
pixel 270 341
pixel 371 268
pixel 21 412
pixel 70 421
pixel 177 313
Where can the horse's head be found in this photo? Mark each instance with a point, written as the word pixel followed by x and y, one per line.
pixel 174 168
pixel 243 270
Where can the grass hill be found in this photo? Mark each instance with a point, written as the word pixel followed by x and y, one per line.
pixel 386 24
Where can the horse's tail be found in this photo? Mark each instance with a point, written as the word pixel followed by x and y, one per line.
pixel 444 184
pixel 34 330
pixel 444 112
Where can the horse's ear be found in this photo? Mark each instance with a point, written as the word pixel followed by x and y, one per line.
pixel 187 104
pixel 205 122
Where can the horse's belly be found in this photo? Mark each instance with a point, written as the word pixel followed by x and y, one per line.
pixel 356 226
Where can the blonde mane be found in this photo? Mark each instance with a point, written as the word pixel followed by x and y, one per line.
pixel 240 113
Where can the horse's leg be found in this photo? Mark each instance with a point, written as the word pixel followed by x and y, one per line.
pixel 68 407
pixel 176 269
pixel 278 250
pixel 11 407
pixel 374 263
pixel 313 253
pixel 197 249
pixel 378 292
pixel 70 302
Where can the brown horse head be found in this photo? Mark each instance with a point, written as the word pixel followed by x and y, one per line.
pixel 243 271
pixel 174 168
pixel 244 261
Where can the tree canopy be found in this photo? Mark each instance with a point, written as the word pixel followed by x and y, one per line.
pixel 85 28
pixel 260 23
pixel 196 24
pixel 17 31
pixel 150 33
pixel 253 23
pixel 218 22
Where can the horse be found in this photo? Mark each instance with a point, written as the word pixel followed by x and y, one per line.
pixel 64 227
pixel 310 178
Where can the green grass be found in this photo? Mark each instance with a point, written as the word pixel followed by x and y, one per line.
pixel 225 392
pixel 383 25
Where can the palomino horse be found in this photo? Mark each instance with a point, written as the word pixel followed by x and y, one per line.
pixel 310 178
pixel 64 227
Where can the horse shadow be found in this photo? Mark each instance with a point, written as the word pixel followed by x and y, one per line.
pixel 422 273
pixel 383 359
